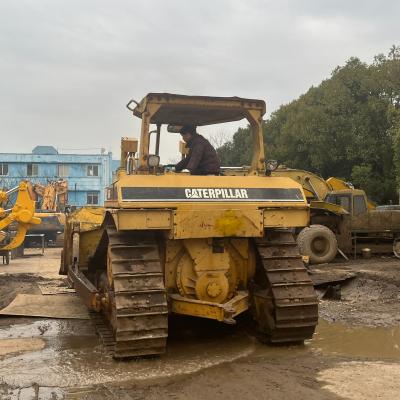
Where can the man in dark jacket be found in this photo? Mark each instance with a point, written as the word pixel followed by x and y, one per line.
pixel 202 158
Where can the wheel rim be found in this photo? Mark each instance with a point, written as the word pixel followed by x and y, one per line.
pixel 320 246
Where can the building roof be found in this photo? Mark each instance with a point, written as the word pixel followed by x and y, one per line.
pixel 44 150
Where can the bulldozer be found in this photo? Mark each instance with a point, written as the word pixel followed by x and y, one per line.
pixel 16 220
pixel 210 247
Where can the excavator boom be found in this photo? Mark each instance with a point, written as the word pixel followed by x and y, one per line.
pixel 22 214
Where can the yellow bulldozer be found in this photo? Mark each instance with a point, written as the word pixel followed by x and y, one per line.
pixel 205 246
pixel 16 220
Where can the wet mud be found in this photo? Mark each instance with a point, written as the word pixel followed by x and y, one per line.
pixel 73 357
pixel 355 353
pixel 79 358
pixel 371 299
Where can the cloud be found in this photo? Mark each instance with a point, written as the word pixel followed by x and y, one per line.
pixel 68 68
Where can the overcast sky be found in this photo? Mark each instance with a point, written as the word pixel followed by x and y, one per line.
pixel 67 68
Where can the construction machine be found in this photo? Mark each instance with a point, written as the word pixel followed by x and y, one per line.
pixel 16 220
pixel 54 195
pixel 342 219
pixel 51 201
pixel 205 246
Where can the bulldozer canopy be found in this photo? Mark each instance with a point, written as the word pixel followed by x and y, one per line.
pixel 197 110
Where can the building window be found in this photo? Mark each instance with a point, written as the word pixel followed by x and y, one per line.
pixel 3 169
pixel 92 198
pixel 32 170
pixel 63 170
pixel 92 170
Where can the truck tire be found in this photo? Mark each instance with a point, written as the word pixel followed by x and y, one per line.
pixel 319 243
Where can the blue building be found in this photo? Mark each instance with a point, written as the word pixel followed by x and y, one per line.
pixel 87 174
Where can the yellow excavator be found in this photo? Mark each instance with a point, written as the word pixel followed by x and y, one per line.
pixel 15 221
pixel 315 187
pixel 342 219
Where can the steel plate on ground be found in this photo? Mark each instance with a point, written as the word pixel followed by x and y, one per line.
pixel 56 306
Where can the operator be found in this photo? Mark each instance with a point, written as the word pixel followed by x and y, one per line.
pixel 202 158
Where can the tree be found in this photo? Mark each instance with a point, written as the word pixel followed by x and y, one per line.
pixel 348 127
pixel 218 139
pixel 238 151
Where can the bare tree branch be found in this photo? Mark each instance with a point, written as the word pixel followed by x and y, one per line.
pixel 218 139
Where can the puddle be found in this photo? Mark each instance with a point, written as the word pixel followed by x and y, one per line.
pixel 341 340
pixel 80 360
pixel 45 328
pixel 74 356
pixel 338 339
pixel 80 367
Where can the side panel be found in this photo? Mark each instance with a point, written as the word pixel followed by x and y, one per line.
pixel 377 221
pixel 185 224
pixel 286 218
pixel 142 219
pixel 217 223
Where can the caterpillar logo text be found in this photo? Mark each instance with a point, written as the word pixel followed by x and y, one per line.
pixel 206 193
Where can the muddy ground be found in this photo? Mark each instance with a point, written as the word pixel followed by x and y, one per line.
pixel 371 299
pixel 354 354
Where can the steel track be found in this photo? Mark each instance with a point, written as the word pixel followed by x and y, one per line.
pixel 138 311
pixel 290 312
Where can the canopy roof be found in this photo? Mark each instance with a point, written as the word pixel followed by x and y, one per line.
pixel 177 109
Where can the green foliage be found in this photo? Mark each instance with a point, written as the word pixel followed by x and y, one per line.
pixel 394 116
pixel 348 126
pixel 238 151
pixel 363 176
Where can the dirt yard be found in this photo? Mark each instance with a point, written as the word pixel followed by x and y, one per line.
pixel 371 299
pixel 355 353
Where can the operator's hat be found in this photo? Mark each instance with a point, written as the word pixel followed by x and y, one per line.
pixel 188 129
